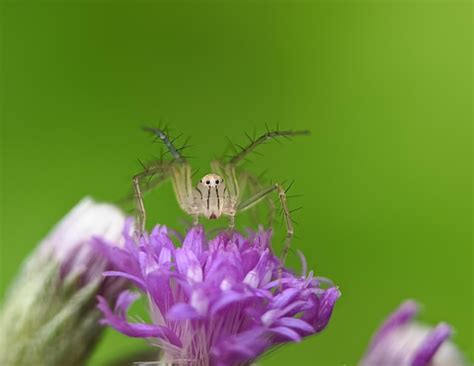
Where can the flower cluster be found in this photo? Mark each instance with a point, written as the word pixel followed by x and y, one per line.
pixel 400 341
pixel 217 302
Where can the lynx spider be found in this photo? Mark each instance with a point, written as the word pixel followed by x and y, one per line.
pixel 217 193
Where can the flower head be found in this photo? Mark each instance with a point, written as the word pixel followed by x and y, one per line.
pixel 400 341
pixel 218 302
pixel 48 316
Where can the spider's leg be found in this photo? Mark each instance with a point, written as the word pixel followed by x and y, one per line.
pixel 234 193
pixel 289 225
pixel 255 186
pixel 163 136
pixel 137 180
pixel 256 198
pixel 232 190
pixel 244 205
pixel 181 174
pixel 236 159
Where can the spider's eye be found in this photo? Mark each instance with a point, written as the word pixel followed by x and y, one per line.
pixel 217 181
pixel 208 182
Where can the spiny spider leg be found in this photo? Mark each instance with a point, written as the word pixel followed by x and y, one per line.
pixel 289 225
pixel 167 142
pixel 262 139
pixel 178 169
pixel 256 198
pixel 286 212
pixel 228 171
pixel 232 189
pixel 181 174
pixel 139 195
pixel 255 186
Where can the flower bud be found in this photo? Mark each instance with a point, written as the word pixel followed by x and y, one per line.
pixel 401 341
pixel 48 316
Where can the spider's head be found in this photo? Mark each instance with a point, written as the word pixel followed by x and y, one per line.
pixel 211 180
pixel 211 196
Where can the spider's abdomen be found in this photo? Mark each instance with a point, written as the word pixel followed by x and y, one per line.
pixel 211 197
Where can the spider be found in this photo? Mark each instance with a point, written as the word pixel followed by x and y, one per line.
pixel 217 193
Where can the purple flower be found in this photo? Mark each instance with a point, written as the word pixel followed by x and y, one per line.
pixel 218 302
pixel 400 341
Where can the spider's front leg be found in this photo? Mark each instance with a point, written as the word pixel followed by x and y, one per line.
pixel 184 190
pixel 138 192
pixel 244 205
pixel 228 170
pixel 180 172
pixel 255 186
pixel 231 191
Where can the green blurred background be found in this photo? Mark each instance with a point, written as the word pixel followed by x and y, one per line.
pixel 385 87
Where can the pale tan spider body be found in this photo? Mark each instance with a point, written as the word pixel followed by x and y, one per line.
pixel 211 197
pixel 216 194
